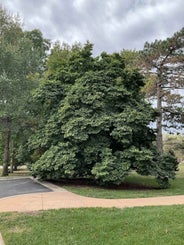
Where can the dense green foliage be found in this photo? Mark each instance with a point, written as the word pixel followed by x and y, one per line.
pixel 94 120
pixel 22 54
pixel 22 58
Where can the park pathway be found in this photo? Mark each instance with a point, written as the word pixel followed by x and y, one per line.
pixel 61 198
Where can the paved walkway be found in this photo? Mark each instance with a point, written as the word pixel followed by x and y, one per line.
pixel 61 198
pixel 12 187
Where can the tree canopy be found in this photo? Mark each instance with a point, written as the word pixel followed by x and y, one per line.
pixel 22 55
pixel 95 121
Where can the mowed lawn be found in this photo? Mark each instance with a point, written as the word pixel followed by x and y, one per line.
pixel 95 226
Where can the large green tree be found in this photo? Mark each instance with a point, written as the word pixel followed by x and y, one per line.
pixel 22 55
pixel 94 121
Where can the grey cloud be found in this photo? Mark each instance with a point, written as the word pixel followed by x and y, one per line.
pixel 110 24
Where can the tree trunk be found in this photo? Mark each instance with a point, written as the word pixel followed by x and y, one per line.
pixel 6 138
pixel 15 166
pixel 12 160
pixel 159 139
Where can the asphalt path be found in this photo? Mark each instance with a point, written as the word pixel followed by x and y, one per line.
pixel 12 187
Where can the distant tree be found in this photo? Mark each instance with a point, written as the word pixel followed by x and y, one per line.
pixel 175 142
pixel 94 121
pixel 22 55
pixel 163 61
pixel 131 58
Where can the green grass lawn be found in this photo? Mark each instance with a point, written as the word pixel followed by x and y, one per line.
pixel 95 226
pixel 134 186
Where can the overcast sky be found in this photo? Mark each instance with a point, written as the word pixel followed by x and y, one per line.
pixel 111 25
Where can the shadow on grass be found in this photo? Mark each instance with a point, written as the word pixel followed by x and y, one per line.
pixel 130 183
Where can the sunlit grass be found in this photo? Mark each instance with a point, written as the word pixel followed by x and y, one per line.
pixel 95 226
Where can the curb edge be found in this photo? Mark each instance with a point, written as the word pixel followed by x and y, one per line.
pixel 1 240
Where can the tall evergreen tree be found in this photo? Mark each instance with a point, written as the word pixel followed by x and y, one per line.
pixel 164 61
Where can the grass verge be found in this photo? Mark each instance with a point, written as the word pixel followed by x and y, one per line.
pixel 95 226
